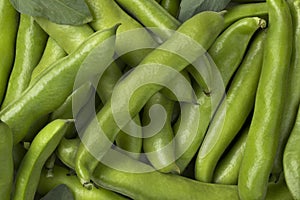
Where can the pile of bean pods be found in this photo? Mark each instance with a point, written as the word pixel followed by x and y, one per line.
pixel 139 105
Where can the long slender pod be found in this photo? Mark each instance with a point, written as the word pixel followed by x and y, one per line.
pixel 293 92
pixel 9 26
pixel 263 136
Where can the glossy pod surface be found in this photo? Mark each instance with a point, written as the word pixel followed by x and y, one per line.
pixel 9 25
pixel 233 111
pixel 263 136
pixel 293 94
pixel 291 160
pixel 31 40
pixel 60 77
pixel 40 150
pixel 63 176
pixel 6 159
pixel 221 61
pixel 210 22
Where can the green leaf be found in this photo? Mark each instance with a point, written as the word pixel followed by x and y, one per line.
pixel 72 12
pixel 214 5
pixel 61 192
pixel 190 8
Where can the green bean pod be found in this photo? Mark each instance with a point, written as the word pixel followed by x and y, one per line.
pixel 246 27
pixel 6 160
pixel 133 184
pixel 107 13
pixel 293 93
pixel 31 40
pixel 39 151
pixel 66 151
pixel 179 84
pixel 67 36
pixel 202 28
pixel 232 112
pixel 59 78
pixel 108 81
pixel 145 185
pixel 151 14
pixel 52 53
pixel 60 43
pixel 159 148
pixel 227 61
pixel 291 160
pixel 130 144
pixel 227 170
pixel 65 110
pixel 263 136
pixel 128 141
pixel 18 154
pixel 172 6
pixel 245 10
pixel 9 18
pixel 62 176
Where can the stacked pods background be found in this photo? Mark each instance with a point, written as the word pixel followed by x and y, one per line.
pixel 137 103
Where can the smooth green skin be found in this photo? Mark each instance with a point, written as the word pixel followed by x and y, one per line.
pixel 155 185
pixel 161 157
pixel 203 28
pixel 130 144
pixel 108 81
pixel 172 6
pixel 52 53
pixel 80 33
pixel 61 176
pixel 106 13
pixel 30 44
pixel 65 111
pixel 227 169
pixel 205 62
pixel 293 93
pixel 123 140
pixel 18 154
pixel 233 111
pixel 263 136
pixel 6 160
pixel 35 128
pixel 246 28
pixel 151 14
pixel 177 85
pixel 9 18
pixel 57 79
pixel 291 160
pixel 66 151
pixel 39 151
pixel 245 10
pixel 67 36
pixel 227 61
pixel 62 40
